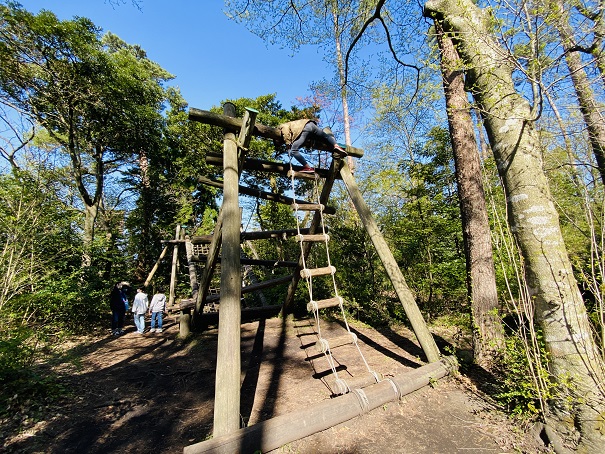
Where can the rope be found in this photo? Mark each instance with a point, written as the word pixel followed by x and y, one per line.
pixel 323 344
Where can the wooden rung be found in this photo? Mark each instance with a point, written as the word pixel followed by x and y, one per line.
pixel 303 175
pixel 307 206
pixel 312 238
pixel 308 272
pixel 324 304
pixel 323 343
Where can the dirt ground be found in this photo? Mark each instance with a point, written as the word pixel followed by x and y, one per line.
pixel 154 393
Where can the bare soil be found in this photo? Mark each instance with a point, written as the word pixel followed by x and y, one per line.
pixel 154 393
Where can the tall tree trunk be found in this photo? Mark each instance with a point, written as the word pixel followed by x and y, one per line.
pixel 597 17
pixel 91 204
pixel 343 88
pixel 593 118
pixel 488 333
pixel 144 257
pixel 575 362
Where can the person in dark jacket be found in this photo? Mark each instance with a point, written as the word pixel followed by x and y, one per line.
pixel 118 307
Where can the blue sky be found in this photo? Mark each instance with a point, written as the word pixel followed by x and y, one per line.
pixel 212 57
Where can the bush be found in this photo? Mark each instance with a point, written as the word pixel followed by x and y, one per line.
pixel 525 384
pixel 23 384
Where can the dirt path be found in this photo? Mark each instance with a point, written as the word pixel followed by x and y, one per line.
pixel 153 393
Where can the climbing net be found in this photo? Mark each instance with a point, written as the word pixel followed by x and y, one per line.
pixel 324 344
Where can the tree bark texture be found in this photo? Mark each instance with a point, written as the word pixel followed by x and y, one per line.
pixel 575 362
pixel 488 333
pixel 593 118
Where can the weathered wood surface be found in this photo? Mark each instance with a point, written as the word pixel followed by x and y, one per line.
pixel 269 435
pixel 175 260
pixel 254 287
pixel 255 192
pixel 254 262
pixel 235 124
pixel 249 314
pixel 280 168
pixel 228 364
pixel 155 267
pixel 244 236
pixel 425 338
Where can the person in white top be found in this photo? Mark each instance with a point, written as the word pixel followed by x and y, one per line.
pixel 139 309
pixel 156 309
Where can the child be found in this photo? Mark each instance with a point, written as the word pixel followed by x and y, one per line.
pixel 139 308
pixel 156 309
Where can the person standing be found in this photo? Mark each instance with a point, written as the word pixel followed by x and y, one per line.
pixel 139 309
pixel 156 309
pixel 117 303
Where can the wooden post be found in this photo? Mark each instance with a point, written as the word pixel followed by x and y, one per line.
pixel 175 257
pixel 155 267
pixel 404 293
pixel 228 365
pixel 185 317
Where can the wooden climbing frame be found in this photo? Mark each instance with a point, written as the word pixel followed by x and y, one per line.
pixel 227 237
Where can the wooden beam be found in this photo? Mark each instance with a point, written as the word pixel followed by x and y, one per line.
pixel 266 234
pixel 175 258
pixel 228 364
pixel 235 124
pixel 274 433
pixel 214 248
pixel 254 192
pixel 255 262
pixel 185 316
pixel 155 267
pixel 245 236
pixel 248 314
pixel 254 287
pixel 216 159
pixel 425 338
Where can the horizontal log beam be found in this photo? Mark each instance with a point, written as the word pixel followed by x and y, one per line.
pixel 235 124
pixel 216 159
pixel 254 262
pixel 274 433
pixel 267 234
pixel 302 204
pixel 245 236
pixel 255 287
pixel 248 314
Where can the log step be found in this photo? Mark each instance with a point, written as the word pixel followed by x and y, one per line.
pixel 312 238
pixel 308 272
pixel 307 206
pixel 342 386
pixel 324 304
pixel 323 344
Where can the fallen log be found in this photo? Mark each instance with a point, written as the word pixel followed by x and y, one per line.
pixel 281 430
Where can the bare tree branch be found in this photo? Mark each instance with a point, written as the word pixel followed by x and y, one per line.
pixel 378 16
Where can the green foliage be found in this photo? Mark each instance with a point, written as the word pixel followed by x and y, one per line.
pixel 520 393
pixel 426 232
